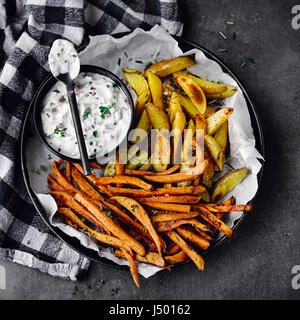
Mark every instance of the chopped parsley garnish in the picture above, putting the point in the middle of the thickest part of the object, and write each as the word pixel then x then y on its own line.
pixel 74 55
pixel 62 98
pixel 104 111
pixel 95 133
pixel 56 91
pixel 116 85
pixel 133 207
pixel 223 50
pixel 243 64
pixel 41 168
pixel 126 54
pixel 230 22
pixel 223 35
pixel 119 61
pixel 100 283
pixel 90 82
pixel 108 214
pixel 108 86
pixel 86 113
pixel 58 54
pixel 47 114
pixel 91 143
pixel 62 49
pixel 75 290
pixel 114 291
pixel 60 131
pixel 139 61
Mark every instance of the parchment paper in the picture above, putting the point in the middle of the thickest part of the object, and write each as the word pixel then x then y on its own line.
pixel 135 51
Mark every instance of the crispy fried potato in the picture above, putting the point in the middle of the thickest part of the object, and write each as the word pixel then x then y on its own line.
pixel 173 199
pixel 174 216
pixel 137 161
pixel 150 257
pixel 165 67
pixel 162 152
pixel 139 212
pixel 166 206
pixel 174 106
pixel 209 87
pixel 132 266
pixel 193 237
pixel 133 181
pixel 163 226
pixel 156 89
pixel 60 178
pixel 186 153
pixel 198 260
pixel 176 258
pixel 157 117
pixel 215 150
pixel 68 170
pixel 195 93
pixel 215 121
pixel 114 228
pixel 178 126
pixel 221 135
pixel 53 185
pixel 214 221
pixel 228 182
pixel 209 171
pixel 142 129
pixel 136 80
pixel 141 100
pixel 231 90
pixel 155 192
pixel 110 168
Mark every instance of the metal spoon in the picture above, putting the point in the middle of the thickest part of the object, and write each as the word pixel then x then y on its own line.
pixel 66 71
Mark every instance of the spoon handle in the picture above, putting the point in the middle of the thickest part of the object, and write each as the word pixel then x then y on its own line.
pixel 78 131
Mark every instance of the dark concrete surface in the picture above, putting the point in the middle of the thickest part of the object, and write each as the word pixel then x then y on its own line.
pixel 257 262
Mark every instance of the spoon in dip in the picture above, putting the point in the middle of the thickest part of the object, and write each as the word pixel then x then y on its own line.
pixel 65 66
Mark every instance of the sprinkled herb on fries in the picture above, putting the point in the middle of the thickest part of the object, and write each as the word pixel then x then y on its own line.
pixel 159 212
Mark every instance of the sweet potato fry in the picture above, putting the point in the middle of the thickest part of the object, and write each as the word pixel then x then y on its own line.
pixel 140 213
pixel 229 208
pixel 169 171
pixel 164 226
pixel 193 237
pixel 60 178
pixel 172 248
pixel 132 266
pixel 154 192
pixel 173 199
pixel 53 185
pixel 119 169
pixel 95 165
pixel 109 223
pixel 133 181
pixel 84 185
pixel 198 260
pixel 101 237
pixel 150 257
pixel 167 206
pixel 174 216
pixel 139 172
pixel 176 258
pixel 68 171
pixel 214 221
pixel 93 178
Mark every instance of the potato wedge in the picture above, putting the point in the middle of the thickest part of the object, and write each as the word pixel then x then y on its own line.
pixel 174 106
pixel 215 121
pixel 157 117
pixel 231 90
pixel 189 132
pixel 221 135
pixel 195 93
pixel 137 161
pixel 136 80
pixel 162 152
pixel 209 171
pixel 110 168
pixel 228 182
pixel 141 100
pixel 178 126
pixel 198 260
pixel 156 89
pixel 165 67
pixel 215 150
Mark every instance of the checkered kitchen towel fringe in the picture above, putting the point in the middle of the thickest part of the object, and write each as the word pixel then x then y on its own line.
pixel 27 29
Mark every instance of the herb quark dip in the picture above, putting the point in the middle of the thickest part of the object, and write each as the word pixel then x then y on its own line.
pixel 104 110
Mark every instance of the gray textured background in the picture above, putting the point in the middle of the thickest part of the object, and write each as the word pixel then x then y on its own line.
pixel 257 262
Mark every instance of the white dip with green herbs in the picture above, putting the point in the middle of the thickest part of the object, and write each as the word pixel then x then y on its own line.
pixel 104 110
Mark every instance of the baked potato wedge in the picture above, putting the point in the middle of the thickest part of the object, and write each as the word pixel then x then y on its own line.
pixel 156 89
pixel 228 182
pixel 142 129
pixel 141 100
pixel 157 117
pixel 178 126
pixel 174 106
pixel 136 80
pixel 215 121
pixel 231 90
pixel 194 92
pixel 215 150
pixel 221 135
pixel 166 67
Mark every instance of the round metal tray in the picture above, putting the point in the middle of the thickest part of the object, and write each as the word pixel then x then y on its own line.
pixel 73 242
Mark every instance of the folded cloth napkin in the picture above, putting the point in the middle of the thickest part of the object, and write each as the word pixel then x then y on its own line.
pixel 27 30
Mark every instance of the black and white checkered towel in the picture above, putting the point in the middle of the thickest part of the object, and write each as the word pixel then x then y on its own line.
pixel 27 30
